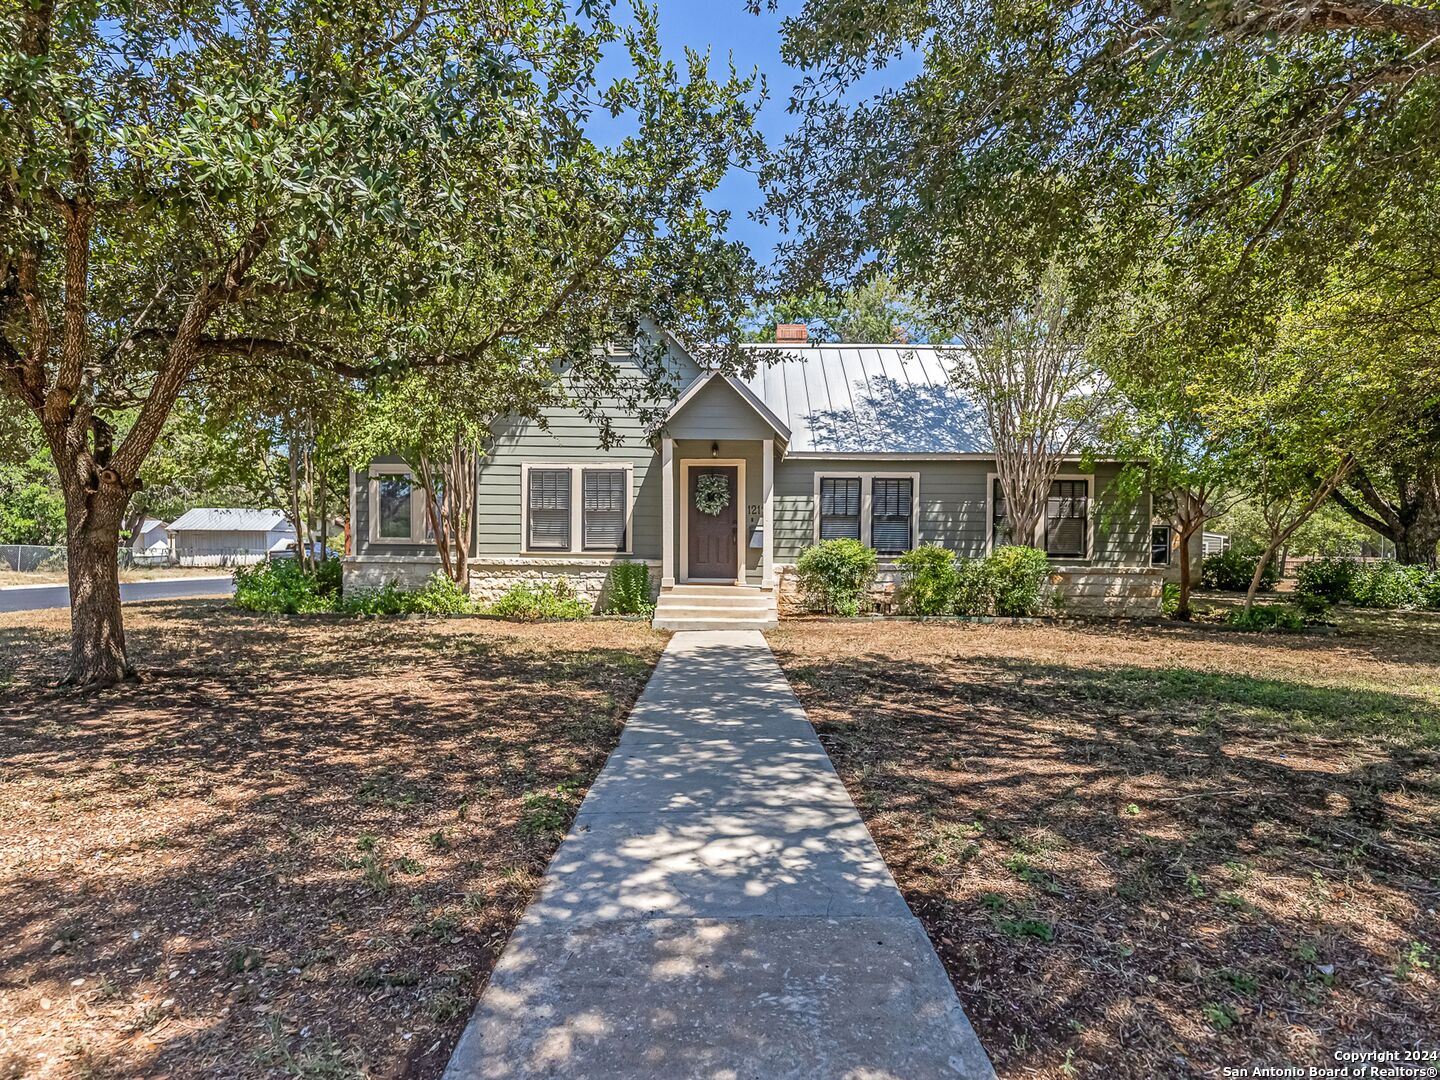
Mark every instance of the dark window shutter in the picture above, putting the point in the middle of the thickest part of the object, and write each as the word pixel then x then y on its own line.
pixel 603 492
pixel 890 516
pixel 549 510
pixel 839 508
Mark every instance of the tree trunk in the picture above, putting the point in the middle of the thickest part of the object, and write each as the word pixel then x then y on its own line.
pixel 1265 557
pixel 1182 610
pixel 97 636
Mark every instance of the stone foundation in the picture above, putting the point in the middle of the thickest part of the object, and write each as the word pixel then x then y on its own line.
pixel 491 578
pixel 1115 592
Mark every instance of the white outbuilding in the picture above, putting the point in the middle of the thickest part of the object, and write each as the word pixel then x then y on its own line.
pixel 209 536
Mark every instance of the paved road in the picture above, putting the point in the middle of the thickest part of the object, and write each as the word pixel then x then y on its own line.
pixel 718 909
pixel 31 597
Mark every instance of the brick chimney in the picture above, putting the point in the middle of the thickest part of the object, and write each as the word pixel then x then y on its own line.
pixel 791 333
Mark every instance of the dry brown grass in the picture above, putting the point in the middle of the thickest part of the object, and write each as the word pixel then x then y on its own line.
pixel 296 847
pixel 127 573
pixel 1153 852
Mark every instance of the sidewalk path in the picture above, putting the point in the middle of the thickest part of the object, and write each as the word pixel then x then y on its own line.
pixel 718 909
pixel 34 597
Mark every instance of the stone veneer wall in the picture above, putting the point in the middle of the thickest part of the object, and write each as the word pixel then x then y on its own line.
pixel 1117 592
pixel 490 578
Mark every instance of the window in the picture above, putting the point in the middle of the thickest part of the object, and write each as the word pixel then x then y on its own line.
pixel 1067 513
pixel 999 520
pixel 1066 524
pixel 575 508
pixel 394 505
pixel 549 510
pixel 603 523
pixel 1160 545
pixel 839 508
pixel 890 516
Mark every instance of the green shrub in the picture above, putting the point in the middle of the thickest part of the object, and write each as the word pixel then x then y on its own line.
pixel 283 587
pixel 1322 583
pixel 438 596
pixel 1169 598
pixel 836 576
pixel 973 595
pixel 931 581
pixel 1016 575
pixel 1388 585
pixel 1266 617
pixel 627 589
pixel 544 600
pixel 1430 592
pixel 1231 571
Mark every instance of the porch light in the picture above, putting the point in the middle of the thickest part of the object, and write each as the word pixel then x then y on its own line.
pixel 714 449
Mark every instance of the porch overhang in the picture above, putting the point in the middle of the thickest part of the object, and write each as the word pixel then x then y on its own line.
pixel 764 412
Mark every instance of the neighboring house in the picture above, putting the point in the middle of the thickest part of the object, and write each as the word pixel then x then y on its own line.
pixel 229 537
pixel 150 544
pixel 1214 544
pixel 865 441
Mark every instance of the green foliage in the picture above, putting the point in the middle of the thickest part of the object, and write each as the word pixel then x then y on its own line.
pixel 931 581
pixel 1322 583
pixel 627 589
pixel 544 600
pixel 973 589
pixel 283 587
pixel 1389 585
pixel 1232 570
pixel 438 596
pixel 1266 617
pixel 836 576
pixel 1169 599
pixel 1016 575
pixel 874 311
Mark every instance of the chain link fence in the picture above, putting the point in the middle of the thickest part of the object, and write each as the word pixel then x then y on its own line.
pixel 31 557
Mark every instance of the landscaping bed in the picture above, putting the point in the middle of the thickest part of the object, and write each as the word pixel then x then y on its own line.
pixel 1151 851
pixel 294 847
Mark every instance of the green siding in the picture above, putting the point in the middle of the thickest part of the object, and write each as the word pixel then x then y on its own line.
pixel 719 412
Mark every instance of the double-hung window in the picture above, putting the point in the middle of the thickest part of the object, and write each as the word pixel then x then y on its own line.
pixel 605 500
pixel 548 510
pixel 1067 518
pixel 1160 545
pixel 890 515
pixel 576 508
pixel 1065 530
pixel 877 510
pixel 839 508
pixel 396 506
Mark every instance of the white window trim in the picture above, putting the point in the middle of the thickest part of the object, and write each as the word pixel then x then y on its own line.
pixel 867 521
pixel 1038 540
pixel 577 469
pixel 417 506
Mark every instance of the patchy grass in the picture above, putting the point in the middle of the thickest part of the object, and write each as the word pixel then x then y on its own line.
pixel 296 847
pixel 1153 851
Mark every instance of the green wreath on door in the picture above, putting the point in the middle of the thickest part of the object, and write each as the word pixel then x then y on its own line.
pixel 712 494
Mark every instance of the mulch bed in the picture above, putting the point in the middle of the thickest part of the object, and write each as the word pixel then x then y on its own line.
pixel 293 848
pixel 1153 851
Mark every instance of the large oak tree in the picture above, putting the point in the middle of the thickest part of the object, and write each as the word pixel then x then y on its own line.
pixel 194 191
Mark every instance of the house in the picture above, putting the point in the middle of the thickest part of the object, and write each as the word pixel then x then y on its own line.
pixel 229 537
pixel 822 441
pixel 150 546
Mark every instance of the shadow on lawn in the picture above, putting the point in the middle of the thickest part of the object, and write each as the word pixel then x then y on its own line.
pixel 1151 871
pixel 296 845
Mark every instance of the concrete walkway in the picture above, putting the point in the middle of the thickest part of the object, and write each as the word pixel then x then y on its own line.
pixel 719 909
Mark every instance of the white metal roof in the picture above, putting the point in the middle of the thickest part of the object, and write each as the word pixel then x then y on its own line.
pixel 208 519
pixel 867 399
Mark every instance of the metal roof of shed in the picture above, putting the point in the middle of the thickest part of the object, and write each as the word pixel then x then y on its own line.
pixel 225 519
pixel 868 399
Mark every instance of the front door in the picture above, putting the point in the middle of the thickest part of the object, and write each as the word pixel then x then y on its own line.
pixel 713 539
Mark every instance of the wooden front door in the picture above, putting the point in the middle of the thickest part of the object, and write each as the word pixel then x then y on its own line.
pixel 713 537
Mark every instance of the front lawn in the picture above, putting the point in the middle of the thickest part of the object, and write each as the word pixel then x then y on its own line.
pixel 296 847
pixel 1153 851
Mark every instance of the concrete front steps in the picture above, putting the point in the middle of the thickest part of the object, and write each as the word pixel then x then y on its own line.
pixel 715 607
